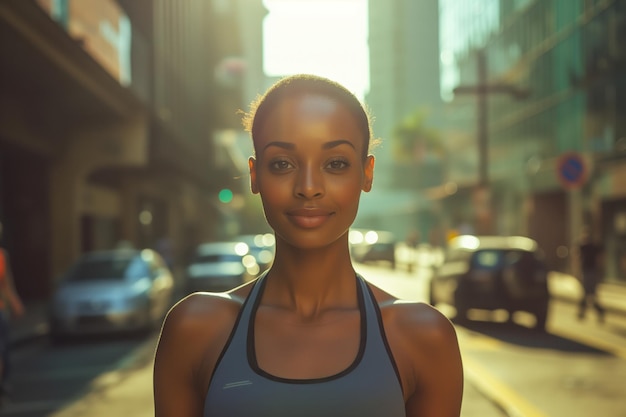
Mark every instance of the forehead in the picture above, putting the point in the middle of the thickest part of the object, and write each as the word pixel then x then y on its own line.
pixel 309 115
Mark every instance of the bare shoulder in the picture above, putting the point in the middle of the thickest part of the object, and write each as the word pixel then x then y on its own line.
pixel 425 348
pixel 190 314
pixel 194 332
pixel 421 323
pixel 203 315
pixel 416 320
pixel 197 328
pixel 420 336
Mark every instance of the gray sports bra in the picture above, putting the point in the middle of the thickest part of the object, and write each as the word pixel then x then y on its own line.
pixel 370 387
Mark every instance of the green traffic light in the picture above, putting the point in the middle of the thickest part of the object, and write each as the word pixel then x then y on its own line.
pixel 225 195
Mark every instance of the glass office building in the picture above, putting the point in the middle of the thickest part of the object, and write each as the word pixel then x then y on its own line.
pixel 554 84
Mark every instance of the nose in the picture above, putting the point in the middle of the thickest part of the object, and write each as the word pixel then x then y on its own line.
pixel 310 183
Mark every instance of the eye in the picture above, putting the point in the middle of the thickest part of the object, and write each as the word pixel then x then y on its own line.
pixel 280 165
pixel 337 164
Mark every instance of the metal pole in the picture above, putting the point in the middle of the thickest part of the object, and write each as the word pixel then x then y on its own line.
pixel 482 116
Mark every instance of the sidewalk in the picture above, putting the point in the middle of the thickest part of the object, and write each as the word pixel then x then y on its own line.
pixel 566 287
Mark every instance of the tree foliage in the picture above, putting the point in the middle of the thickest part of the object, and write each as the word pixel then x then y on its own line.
pixel 413 140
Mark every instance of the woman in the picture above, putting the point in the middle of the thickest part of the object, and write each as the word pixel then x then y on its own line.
pixel 309 337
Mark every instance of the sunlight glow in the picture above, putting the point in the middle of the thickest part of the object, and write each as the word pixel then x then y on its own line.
pixel 323 37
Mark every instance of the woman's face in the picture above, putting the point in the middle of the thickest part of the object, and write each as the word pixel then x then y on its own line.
pixel 309 170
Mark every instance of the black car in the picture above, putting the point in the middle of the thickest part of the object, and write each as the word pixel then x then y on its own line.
pixel 492 273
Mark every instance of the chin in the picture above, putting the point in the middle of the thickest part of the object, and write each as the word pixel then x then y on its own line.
pixel 313 239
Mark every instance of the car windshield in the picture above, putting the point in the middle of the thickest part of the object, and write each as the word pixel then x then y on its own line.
pixel 487 259
pixel 113 268
pixel 494 258
pixel 218 257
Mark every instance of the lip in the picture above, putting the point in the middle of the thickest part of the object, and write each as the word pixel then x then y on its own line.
pixel 309 218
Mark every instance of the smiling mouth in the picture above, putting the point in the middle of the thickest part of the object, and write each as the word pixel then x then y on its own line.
pixel 309 218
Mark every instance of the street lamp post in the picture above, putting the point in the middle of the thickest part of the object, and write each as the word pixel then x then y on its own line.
pixel 481 90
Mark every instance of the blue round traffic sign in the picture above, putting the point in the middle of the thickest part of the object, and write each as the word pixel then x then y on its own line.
pixel 572 170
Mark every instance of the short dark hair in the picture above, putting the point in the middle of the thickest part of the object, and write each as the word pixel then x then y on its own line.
pixel 299 84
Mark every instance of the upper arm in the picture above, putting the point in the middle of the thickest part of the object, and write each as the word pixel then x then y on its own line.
pixel 175 391
pixel 438 369
pixel 188 347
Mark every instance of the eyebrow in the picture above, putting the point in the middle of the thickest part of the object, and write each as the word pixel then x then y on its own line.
pixel 284 145
pixel 335 143
pixel 327 145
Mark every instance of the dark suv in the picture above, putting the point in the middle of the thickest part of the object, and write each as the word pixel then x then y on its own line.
pixel 492 273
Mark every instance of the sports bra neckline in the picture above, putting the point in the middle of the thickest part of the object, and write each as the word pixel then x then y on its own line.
pixel 257 292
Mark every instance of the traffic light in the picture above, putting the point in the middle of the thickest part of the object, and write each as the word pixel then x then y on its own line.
pixel 225 196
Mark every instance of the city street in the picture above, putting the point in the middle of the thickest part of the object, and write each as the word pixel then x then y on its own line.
pixel 97 376
pixel 576 369
pixel 472 149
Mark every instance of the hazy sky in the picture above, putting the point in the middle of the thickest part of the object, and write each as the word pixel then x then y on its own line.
pixel 324 37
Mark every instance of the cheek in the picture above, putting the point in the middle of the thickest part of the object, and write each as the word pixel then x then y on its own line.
pixel 345 190
pixel 274 202
pixel 273 195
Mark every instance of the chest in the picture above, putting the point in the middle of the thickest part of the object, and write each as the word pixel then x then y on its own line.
pixel 276 368
pixel 292 349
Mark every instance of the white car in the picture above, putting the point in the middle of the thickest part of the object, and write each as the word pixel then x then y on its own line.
pixel 220 266
pixel 115 290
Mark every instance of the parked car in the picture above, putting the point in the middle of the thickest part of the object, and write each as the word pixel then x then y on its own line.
pixel 261 246
pixel 115 290
pixel 373 246
pixel 492 273
pixel 220 266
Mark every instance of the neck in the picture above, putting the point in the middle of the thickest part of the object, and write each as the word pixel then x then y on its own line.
pixel 311 282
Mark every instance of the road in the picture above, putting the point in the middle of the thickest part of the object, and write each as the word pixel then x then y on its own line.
pixel 79 377
pixel 575 369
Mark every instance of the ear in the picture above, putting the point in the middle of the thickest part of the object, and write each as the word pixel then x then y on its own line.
pixel 252 167
pixel 368 173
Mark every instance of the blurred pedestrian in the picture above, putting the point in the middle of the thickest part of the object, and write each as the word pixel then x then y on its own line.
pixel 310 336
pixel 590 257
pixel 11 306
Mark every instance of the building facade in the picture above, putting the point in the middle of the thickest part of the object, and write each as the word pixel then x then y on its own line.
pixel 404 78
pixel 554 156
pixel 107 117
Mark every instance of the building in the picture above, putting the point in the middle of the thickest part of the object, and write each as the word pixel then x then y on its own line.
pixel 108 111
pixel 554 159
pixel 404 78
